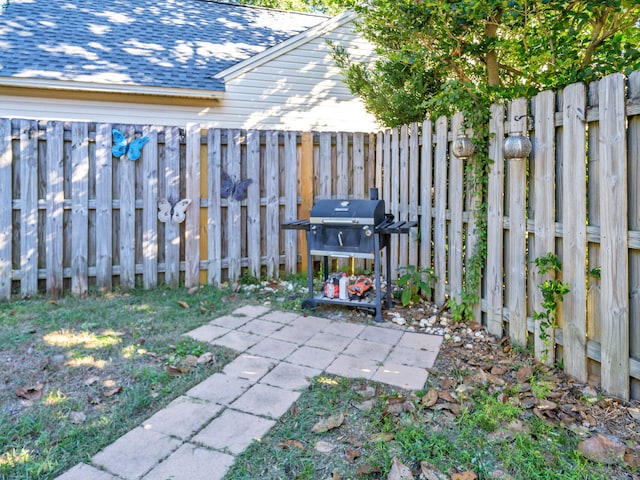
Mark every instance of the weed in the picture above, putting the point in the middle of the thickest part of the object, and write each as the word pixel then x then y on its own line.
pixel 415 283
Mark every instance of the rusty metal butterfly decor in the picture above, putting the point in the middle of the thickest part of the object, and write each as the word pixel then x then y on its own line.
pixel 121 147
pixel 229 188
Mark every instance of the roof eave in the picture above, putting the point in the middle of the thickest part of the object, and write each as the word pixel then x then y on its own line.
pixel 286 46
pixel 104 88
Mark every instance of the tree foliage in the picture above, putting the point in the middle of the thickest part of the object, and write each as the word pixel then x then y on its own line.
pixel 310 6
pixel 437 55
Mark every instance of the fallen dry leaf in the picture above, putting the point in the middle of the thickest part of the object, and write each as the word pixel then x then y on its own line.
pixel 382 437
pixel 602 449
pixel 30 393
pixel 431 398
pixel 367 469
pixel 77 417
pixel 324 447
pixel 524 374
pixel 464 476
pixel 328 424
pixel 351 454
pixel 205 358
pixel 291 443
pixel 399 471
pixel 91 380
pixel 183 304
pixel 112 391
pixel 429 472
pixel 173 371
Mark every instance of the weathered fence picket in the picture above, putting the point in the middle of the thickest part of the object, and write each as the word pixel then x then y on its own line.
pixel 574 239
pixel 614 246
pixel 172 195
pixel 6 214
pixel 494 274
pixel 55 211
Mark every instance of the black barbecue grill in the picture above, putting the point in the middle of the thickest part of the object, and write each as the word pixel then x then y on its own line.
pixel 350 229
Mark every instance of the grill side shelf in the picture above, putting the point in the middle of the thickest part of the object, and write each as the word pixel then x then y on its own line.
pixel 296 225
pixel 396 227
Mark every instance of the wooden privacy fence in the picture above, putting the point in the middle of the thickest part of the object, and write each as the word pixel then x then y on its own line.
pixel 77 216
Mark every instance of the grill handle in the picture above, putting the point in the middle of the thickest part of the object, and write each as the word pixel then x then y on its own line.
pixel 341 221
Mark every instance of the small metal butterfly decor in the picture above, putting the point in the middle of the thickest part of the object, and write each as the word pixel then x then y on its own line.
pixel 175 212
pixel 230 188
pixel 121 147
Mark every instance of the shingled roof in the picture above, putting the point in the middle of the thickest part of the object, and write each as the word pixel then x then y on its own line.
pixel 172 44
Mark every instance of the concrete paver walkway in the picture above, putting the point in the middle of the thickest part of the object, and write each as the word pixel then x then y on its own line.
pixel 198 435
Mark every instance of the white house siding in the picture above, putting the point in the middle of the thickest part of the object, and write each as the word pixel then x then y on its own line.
pixel 300 89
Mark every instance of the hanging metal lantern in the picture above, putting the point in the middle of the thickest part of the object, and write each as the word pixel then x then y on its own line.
pixel 516 146
pixel 463 147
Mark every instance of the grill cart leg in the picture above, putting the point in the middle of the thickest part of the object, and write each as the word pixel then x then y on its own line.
pixel 310 301
pixel 388 293
pixel 376 263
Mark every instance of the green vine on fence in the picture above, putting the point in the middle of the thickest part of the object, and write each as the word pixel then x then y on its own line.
pixel 553 291
pixel 474 105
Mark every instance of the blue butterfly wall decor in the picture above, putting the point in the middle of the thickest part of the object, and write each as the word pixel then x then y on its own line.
pixel 121 147
pixel 232 189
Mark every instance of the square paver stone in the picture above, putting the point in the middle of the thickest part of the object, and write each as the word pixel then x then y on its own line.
pixel 352 367
pixel 83 471
pixel 251 367
pixel 192 463
pixel 182 417
pixel 260 327
pixel 220 388
pixel 368 350
pixel 231 321
pixel 344 329
pixel 135 453
pixel 280 317
pixel 420 341
pixel 290 333
pixel 312 323
pixel 291 377
pixel 380 335
pixel 272 348
pixel 312 357
pixel 238 341
pixel 402 376
pixel 329 341
pixel 206 333
pixel 412 357
pixel 266 400
pixel 251 310
pixel 233 431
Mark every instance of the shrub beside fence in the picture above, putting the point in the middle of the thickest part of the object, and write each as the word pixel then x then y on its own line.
pixel 79 216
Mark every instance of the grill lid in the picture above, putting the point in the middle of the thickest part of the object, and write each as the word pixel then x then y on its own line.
pixel 355 212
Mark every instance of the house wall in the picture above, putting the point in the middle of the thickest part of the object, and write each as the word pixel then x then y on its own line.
pixel 299 89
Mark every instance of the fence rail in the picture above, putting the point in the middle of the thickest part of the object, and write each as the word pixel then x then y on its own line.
pixel 78 217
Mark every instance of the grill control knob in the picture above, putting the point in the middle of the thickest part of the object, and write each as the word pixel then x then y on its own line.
pixel 367 231
pixel 313 229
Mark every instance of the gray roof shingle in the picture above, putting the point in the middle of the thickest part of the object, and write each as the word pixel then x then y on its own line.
pixel 151 43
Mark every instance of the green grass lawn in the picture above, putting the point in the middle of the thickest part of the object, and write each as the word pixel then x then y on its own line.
pixel 92 369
